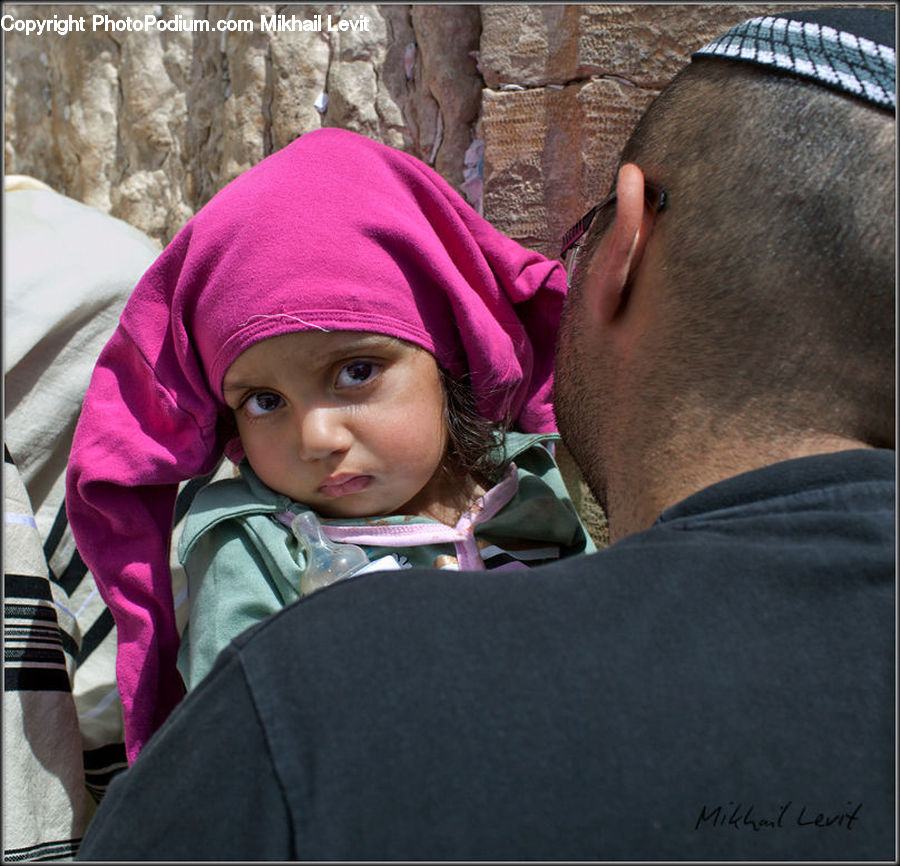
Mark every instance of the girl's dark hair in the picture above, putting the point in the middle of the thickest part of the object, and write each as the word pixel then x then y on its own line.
pixel 473 439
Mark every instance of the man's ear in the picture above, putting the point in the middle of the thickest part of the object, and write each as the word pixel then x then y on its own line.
pixel 620 251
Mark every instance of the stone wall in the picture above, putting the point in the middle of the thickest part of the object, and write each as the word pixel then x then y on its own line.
pixel 522 107
pixel 149 125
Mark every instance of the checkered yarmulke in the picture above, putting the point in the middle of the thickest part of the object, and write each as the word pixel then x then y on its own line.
pixel 834 57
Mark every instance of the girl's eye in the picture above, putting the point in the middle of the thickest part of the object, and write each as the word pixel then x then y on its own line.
pixel 356 373
pixel 262 403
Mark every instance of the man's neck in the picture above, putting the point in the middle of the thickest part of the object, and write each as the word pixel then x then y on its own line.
pixel 645 488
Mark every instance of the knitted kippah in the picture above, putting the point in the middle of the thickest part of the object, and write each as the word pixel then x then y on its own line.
pixel 848 49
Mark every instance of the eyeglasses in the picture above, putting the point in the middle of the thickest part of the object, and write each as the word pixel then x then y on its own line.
pixel 573 240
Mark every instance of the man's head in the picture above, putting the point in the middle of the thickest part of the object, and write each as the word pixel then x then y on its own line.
pixel 758 305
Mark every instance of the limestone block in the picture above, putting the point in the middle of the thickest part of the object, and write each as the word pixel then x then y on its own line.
pixel 648 44
pixel 29 143
pixel 352 92
pixel 532 44
pixel 397 96
pixel 299 71
pixel 151 131
pixel 245 69
pixel 205 94
pixel 150 198
pixel 84 112
pixel 549 154
pixel 420 108
pixel 447 36
pixel 357 99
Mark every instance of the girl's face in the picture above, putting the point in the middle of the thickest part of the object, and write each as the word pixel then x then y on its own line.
pixel 349 423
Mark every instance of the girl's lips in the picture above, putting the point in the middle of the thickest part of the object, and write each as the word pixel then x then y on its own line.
pixel 344 485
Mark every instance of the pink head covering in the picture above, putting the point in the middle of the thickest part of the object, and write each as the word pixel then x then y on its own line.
pixel 336 232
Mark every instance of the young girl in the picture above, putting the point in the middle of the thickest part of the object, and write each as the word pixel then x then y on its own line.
pixel 342 325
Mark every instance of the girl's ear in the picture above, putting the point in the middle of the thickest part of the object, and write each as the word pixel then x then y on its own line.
pixel 612 267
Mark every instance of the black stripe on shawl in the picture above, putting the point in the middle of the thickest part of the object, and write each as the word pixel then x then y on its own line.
pixel 34 655
pixel 60 522
pixel 26 586
pixel 60 849
pixel 104 757
pixel 35 680
pixel 95 635
pixel 73 575
pixel 35 612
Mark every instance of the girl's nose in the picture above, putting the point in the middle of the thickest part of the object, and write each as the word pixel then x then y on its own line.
pixel 321 433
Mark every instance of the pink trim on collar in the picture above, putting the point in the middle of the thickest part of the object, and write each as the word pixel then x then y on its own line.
pixel 462 536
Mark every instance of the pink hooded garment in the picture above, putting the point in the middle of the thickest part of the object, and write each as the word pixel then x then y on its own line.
pixel 334 231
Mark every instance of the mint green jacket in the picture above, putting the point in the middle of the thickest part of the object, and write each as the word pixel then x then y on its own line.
pixel 244 562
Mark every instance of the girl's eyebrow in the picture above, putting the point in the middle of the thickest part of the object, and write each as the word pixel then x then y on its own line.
pixel 365 342
pixel 361 344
